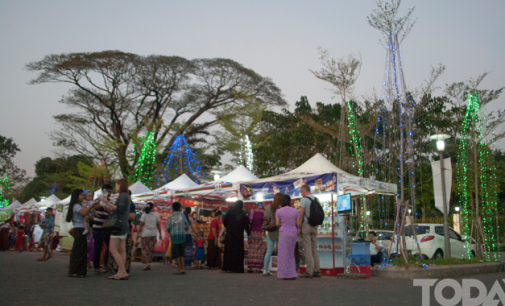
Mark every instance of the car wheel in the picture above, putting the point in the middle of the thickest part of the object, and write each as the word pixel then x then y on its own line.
pixel 438 254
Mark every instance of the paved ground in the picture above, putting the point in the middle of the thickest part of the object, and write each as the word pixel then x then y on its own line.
pixel 24 281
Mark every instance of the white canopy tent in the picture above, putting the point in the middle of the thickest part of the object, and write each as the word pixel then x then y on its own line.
pixel 139 188
pixel 226 186
pixel 347 183
pixel 65 201
pixel 13 205
pixel 30 206
pixel 182 182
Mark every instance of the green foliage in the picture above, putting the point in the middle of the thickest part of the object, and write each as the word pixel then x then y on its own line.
pixel 16 176
pixel 64 171
pixel 239 121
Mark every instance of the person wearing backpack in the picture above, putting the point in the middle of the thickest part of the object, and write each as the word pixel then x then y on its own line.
pixel 311 215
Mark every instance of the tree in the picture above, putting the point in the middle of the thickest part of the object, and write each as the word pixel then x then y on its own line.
pixel 61 172
pixel 16 176
pixel 342 74
pixel 121 96
pixel 238 122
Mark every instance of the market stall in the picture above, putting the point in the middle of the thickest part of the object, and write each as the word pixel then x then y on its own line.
pixel 328 183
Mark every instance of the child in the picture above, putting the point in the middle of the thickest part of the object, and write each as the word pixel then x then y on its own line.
pixel 88 201
pixel 19 238
pixel 200 250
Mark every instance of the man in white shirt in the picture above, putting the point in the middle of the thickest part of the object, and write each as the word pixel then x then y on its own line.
pixel 375 249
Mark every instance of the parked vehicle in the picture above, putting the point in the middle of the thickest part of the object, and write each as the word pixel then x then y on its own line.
pixel 431 241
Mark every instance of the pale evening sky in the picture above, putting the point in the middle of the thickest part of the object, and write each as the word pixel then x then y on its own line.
pixel 277 39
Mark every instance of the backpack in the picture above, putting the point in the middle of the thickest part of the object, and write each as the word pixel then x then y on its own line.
pixel 316 217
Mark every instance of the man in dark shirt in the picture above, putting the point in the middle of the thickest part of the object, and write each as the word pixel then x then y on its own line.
pixel 101 236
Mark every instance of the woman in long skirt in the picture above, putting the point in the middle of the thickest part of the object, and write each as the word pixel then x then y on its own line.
pixel 236 222
pixel 256 245
pixel 285 218
pixel 149 229
pixel 78 258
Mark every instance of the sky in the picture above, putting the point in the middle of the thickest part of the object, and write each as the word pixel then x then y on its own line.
pixel 277 39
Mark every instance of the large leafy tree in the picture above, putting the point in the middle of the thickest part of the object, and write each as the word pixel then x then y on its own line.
pixel 58 175
pixel 120 96
pixel 16 176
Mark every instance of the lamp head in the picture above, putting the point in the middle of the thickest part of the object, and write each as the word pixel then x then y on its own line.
pixel 440 140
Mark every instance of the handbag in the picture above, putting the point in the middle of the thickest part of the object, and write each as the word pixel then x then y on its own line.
pixel 269 224
pixel 114 222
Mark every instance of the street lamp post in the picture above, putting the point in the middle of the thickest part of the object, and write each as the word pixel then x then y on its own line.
pixel 441 147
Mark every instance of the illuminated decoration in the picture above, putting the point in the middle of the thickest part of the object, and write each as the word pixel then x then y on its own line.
pixel 356 153
pixel 181 159
pixel 248 154
pixel 484 171
pixel 393 139
pixel 53 188
pixel 145 162
pixel 4 188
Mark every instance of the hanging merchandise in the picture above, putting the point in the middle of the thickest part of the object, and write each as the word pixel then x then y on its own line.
pixel 180 160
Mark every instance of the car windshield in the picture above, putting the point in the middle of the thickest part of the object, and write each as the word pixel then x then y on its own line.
pixel 420 229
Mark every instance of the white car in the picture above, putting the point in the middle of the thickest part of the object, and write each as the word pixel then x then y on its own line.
pixel 431 241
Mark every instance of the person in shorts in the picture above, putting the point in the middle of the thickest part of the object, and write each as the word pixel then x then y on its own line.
pixel 177 225
pixel 45 241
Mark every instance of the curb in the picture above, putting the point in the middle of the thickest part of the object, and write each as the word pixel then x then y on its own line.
pixel 448 271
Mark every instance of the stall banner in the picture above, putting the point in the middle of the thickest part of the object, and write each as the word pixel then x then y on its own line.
pixel 5 214
pixel 265 191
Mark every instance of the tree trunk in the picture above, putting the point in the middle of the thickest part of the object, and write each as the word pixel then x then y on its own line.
pixel 424 212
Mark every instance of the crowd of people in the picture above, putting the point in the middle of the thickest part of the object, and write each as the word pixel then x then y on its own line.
pixel 102 223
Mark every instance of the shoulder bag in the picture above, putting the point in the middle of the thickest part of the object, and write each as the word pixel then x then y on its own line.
pixel 114 222
pixel 269 223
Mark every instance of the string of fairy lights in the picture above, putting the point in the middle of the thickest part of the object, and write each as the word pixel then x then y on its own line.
pixel 177 151
pixel 246 148
pixel 356 152
pixel 147 155
pixel 471 128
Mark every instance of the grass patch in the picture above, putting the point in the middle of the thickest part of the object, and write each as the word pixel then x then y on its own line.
pixel 412 261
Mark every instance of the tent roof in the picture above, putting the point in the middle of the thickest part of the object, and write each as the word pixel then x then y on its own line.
pixel 138 187
pixel 65 200
pixel 51 200
pixel 30 202
pixel 240 174
pixel 317 164
pixel 182 182
pixel 13 205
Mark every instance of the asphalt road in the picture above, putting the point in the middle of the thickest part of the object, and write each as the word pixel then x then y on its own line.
pixel 24 281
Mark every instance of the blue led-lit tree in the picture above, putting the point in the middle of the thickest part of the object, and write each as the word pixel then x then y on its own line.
pixel 179 160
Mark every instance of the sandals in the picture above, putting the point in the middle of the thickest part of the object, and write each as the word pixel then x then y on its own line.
pixel 147 268
pixel 113 277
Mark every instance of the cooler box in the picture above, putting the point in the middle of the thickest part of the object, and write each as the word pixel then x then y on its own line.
pixel 361 253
